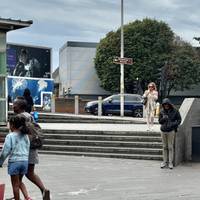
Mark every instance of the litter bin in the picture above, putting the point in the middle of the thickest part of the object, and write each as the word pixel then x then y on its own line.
pixel 2 189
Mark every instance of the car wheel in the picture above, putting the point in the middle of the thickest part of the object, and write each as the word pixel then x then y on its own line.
pixel 95 112
pixel 138 112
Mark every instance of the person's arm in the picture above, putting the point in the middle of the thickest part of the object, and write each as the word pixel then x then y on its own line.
pixel 145 94
pixel 178 119
pixel 162 118
pixel 155 95
pixel 7 147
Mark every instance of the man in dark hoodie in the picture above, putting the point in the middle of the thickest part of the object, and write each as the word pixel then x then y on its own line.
pixel 169 119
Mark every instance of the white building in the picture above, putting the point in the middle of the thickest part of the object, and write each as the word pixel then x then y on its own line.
pixel 77 74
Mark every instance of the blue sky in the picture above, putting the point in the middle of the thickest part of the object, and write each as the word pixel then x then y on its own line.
pixel 57 21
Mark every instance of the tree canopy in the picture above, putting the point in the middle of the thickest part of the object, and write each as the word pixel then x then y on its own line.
pixel 151 44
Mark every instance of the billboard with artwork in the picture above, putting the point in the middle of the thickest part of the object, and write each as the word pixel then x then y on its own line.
pixel 28 61
pixel 38 87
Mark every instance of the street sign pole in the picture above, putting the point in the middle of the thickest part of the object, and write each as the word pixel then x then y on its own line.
pixel 122 64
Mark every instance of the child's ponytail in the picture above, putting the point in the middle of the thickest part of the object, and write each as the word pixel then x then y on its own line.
pixel 23 129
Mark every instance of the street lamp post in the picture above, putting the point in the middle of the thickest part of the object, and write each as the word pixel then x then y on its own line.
pixel 122 64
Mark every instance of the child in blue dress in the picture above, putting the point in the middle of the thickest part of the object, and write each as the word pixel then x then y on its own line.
pixel 16 148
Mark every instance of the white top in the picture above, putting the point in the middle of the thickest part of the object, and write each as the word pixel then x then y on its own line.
pixel 152 97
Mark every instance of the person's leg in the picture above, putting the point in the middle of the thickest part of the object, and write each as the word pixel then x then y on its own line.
pixel 148 120
pixel 171 137
pixel 15 186
pixel 165 149
pixel 152 119
pixel 34 178
pixel 23 188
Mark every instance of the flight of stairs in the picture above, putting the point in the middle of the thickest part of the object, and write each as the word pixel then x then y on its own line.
pixel 126 144
pixel 116 144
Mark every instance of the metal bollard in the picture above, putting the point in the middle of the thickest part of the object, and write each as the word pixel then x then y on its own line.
pixel 76 105
pixel 99 106
pixel 53 104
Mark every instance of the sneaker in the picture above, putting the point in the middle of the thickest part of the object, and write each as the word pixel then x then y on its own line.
pixel 46 195
pixel 171 166
pixel 163 164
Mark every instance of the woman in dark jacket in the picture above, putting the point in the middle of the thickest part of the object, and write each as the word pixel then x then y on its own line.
pixel 169 119
pixel 29 100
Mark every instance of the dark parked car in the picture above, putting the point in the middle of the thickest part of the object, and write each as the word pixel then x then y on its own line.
pixel 111 105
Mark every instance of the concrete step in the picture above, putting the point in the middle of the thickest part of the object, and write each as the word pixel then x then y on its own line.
pixel 108 155
pixel 71 118
pixel 98 132
pixel 4 129
pixel 127 150
pixel 102 137
pixel 50 120
pixel 103 143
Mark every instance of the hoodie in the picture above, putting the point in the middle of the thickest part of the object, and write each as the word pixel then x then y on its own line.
pixel 170 118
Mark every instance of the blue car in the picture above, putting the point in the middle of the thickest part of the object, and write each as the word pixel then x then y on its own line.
pixel 133 105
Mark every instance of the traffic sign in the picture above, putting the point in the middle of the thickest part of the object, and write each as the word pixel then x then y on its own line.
pixel 126 61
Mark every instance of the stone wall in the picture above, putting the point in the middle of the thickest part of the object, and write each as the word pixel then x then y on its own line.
pixel 189 111
pixel 67 105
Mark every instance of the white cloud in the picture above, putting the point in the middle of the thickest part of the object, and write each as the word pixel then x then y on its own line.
pixel 58 21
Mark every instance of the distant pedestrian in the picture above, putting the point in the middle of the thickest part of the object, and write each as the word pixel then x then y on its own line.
pixel 16 146
pixel 29 100
pixel 150 97
pixel 169 119
pixel 19 106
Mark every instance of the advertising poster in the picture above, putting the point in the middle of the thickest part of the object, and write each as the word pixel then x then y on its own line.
pixel 46 98
pixel 28 61
pixel 17 85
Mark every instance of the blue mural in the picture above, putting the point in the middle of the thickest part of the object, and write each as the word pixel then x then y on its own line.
pixel 17 85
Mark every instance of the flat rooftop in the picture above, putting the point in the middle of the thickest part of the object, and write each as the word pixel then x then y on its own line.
pixel 8 24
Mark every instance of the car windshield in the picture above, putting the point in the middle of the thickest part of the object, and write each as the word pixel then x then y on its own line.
pixel 127 98
pixel 132 98
pixel 113 97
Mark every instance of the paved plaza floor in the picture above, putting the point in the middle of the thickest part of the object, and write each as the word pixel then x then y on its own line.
pixel 89 178
pixel 99 127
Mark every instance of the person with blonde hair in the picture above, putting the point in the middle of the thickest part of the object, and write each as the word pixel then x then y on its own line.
pixel 150 97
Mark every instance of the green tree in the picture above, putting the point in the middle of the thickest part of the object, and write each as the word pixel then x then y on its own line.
pixel 151 44
pixel 182 70
pixel 147 42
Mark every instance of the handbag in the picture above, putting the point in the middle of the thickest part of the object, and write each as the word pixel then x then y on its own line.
pixel 35 135
pixel 144 101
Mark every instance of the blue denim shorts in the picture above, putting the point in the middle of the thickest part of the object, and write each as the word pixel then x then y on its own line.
pixel 18 168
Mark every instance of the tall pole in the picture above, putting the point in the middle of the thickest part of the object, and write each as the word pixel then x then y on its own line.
pixel 122 65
